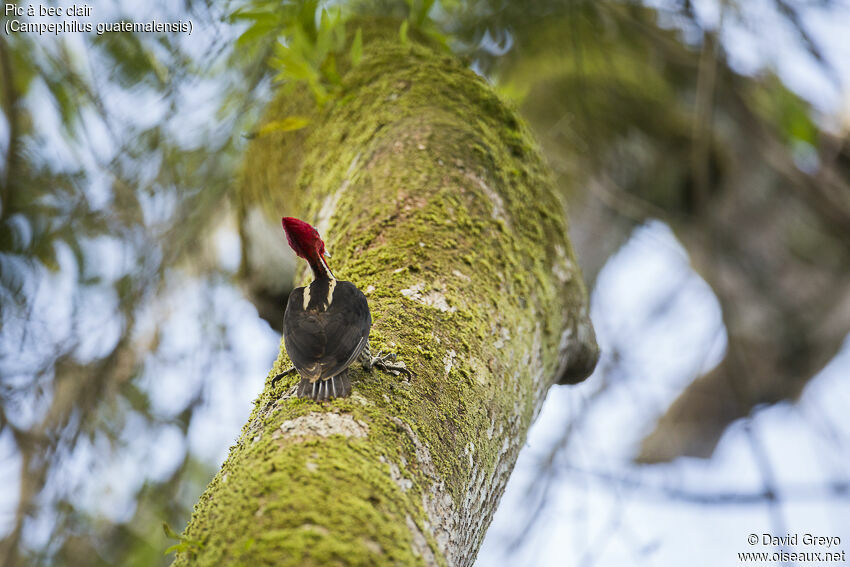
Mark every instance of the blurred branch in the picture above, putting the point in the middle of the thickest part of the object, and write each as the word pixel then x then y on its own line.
pixel 799 492
pixel 540 489
pixel 795 19
pixel 10 100
pixel 771 486
pixel 702 122
pixel 626 204
pixel 827 192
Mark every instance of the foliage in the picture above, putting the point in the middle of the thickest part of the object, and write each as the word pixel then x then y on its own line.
pixel 315 43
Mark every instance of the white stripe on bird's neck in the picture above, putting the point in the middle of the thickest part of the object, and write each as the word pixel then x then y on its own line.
pixel 331 287
pixel 306 297
pixel 327 269
pixel 321 271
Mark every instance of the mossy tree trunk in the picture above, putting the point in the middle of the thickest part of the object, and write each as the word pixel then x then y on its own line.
pixel 434 201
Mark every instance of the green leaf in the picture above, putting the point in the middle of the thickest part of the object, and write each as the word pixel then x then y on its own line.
pixel 320 93
pixel 292 65
pixel 24 71
pixel 178 548
pixel 307 17
pixel 329 70
pixel 288 124
pixel 419 11
pixel 255 32
pixel 339 32
pixel 323 37
pixel 185 544
pixel 356 52
pixel 426 9
pixel 402 32
pixel 254 15
pixel 169 532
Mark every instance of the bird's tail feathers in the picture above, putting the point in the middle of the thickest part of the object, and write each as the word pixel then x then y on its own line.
pixel 338 386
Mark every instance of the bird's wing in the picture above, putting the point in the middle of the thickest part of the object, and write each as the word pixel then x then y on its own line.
pixel 323 344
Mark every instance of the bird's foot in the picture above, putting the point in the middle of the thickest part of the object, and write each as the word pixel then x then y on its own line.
pixel 387 363
pixel 286 372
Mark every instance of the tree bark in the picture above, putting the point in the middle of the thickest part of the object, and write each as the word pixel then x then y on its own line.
pixel 434 201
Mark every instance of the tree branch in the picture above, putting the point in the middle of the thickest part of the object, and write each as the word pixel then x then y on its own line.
pixel 436 204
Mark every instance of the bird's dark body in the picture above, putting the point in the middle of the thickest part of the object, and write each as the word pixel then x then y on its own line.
pixel 326 335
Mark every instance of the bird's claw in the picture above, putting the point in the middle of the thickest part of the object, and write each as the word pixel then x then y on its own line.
pixel 381 357
pixel 386 363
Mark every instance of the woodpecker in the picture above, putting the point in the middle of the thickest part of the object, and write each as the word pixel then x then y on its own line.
pixel 326 324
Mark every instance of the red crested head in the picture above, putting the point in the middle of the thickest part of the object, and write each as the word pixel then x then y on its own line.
pixel 304 239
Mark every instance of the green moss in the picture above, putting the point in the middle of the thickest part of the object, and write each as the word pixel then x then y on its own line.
pixel 445 197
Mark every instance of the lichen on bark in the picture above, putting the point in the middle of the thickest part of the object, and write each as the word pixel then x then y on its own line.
pixel 435 202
